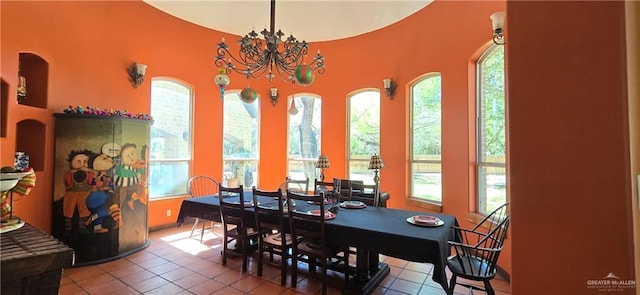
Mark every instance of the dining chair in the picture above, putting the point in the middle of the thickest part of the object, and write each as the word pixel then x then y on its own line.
pixel 476 251
pixel 200 186
pixel 321 186
pixel 234 225
pixel 273 238
pixel 297 185
pixel 310 241
pixel 363 192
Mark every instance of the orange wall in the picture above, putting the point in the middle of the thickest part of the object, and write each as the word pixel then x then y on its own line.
pixel 89 45
pixel 569 146
pixel 88 62
pixel 633 57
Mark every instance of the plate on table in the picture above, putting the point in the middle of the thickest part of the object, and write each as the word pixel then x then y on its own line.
pixel 326 202
pixel 246 203
pixel 425 220
pixel 353 204
pixel 327 214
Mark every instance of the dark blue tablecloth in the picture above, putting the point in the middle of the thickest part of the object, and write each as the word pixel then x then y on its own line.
pixel 382 230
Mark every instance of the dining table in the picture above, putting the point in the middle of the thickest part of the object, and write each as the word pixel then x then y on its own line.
pixel 370 230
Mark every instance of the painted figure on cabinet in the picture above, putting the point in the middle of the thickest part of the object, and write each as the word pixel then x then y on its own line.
pixel 77 182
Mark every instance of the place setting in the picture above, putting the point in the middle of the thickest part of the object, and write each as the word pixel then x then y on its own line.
pixel 353 205
pixel 425 220
pixel 327 214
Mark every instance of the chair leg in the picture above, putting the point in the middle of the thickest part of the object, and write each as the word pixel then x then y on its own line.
pixel 488 288
pixel 283 267
pixel 294 269
pixel 204 222
pixel 324 276
pixel 225 241
pixel 452 284
pixel 195 223
pixel 260 259
pixel 245 254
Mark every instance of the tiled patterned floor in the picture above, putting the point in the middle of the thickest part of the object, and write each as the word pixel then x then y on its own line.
pixel 176 264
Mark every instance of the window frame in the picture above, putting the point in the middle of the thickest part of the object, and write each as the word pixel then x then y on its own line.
pixel 480 202
pixel 411 198
pixel 301 159
pixel 349 159
pixel 189 159
pixel 255 159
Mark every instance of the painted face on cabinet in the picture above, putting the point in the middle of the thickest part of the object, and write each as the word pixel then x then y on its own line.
pixel 79 159
pixel 128 154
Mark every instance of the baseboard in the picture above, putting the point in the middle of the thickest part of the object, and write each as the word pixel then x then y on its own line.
pixel 503 274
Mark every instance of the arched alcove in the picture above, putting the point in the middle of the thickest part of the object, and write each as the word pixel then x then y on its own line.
pixel 30 139
pixel 33 73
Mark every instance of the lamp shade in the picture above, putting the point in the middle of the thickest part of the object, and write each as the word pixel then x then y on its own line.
pixel 141 69
pixel 375 162
pixel 497 20
pixel 323 162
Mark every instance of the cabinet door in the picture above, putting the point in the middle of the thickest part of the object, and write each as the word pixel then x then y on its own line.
pixel 132 189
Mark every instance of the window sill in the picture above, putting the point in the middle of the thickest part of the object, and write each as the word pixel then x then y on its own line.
pixel 170 198
pixel 424 204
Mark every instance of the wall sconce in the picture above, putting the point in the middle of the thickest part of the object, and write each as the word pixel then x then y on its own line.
pixel 136 73
pixel 497 21
pixel 273 94
pixel 389 87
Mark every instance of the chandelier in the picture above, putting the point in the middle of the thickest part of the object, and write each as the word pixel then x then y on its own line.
pixel 270 55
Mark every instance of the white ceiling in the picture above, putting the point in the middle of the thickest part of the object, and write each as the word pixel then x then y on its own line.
pixel 309 20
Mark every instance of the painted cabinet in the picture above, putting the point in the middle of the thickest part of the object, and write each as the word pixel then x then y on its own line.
pixel 100 185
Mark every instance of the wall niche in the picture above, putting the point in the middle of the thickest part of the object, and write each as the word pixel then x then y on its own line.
pixel 33 80
pixel 4 104
pixel 31 139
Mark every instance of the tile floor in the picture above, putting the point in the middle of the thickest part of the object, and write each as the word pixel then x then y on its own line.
pixel 176 264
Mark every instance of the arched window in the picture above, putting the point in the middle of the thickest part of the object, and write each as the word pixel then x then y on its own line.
pixel 305 113
pixel 170 146
pixel 426 139
pixel 241 137
pixel 364 133
pixel 490 138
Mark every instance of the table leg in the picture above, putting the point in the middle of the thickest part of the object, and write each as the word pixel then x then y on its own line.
pixel 369 273
pixel 362 265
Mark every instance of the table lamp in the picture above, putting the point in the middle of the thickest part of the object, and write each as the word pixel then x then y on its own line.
pixel 322 163
pixel 375 164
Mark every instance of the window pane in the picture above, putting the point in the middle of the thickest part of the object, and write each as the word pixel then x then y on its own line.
pixel 240 150
pixel 427 119
pixel 171 111
pixel 240 172
pixel 364 133
pixel 492 188
pixel 170 143
pixel 491 131
pixel 304 137
pixel 359 170
pixel 168 178
pixel 427 181
pixel 426 139
pixel 492 125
